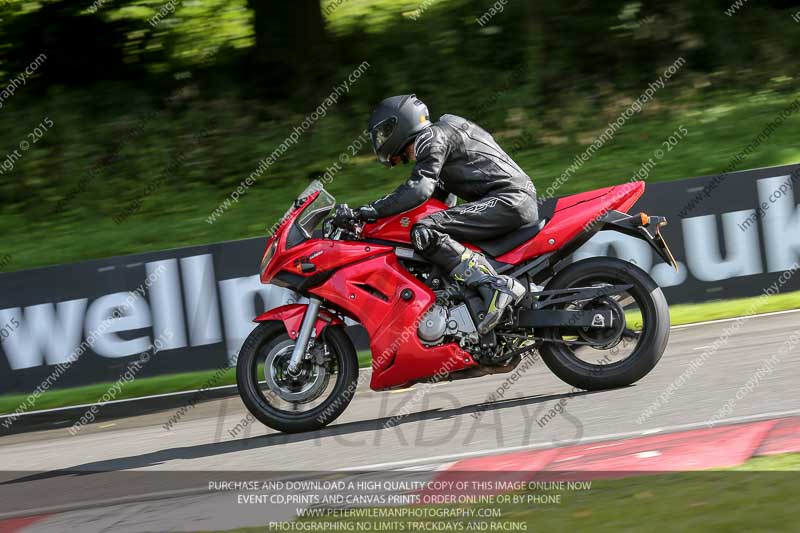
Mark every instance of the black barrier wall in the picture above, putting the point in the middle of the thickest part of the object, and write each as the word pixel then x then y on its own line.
pixel 732 234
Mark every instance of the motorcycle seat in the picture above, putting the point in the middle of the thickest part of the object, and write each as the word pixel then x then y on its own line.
pixel 505 243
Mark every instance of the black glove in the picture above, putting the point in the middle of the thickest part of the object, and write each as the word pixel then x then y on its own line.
pixel 344 217
pixel 367 213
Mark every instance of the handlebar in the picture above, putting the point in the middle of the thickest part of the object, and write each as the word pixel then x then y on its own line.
pixel 344 224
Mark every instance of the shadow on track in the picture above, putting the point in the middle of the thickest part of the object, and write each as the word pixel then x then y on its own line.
pixel 149 460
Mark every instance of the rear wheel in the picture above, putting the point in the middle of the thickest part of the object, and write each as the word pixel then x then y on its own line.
pixel 309 400
pixel 595 359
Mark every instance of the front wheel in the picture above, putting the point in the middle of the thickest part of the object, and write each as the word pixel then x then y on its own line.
pixel 615 357
pixel 309 400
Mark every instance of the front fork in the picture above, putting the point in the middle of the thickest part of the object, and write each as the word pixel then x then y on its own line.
pixel 306 328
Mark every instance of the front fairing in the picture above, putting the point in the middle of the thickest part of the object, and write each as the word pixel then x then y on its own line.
pixel 296 257
pixel 315 259
pixel 294 228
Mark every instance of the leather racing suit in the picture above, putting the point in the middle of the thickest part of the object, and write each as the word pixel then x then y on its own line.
pixel 456 157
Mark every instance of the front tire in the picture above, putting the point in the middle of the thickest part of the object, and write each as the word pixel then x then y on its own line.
pixel 294 406
pixel 651 339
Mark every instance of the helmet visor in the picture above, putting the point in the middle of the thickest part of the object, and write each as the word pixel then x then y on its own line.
pixel 381 133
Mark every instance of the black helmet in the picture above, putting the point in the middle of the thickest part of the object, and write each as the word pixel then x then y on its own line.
pixel 396 122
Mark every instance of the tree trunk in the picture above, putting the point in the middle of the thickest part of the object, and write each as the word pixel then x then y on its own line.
pixel 289 37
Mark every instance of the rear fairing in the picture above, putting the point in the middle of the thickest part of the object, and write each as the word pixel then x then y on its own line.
pixel 573 215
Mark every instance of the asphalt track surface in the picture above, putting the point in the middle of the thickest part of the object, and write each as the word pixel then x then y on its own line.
pixel 451 421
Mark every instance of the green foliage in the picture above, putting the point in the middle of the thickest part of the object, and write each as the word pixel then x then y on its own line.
pixel 189 104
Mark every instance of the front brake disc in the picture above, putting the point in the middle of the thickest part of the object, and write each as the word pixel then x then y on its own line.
pixel 304 388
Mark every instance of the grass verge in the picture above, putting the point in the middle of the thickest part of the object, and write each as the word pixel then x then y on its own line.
pixel 719 309
pixel 756 496
pixel 680 314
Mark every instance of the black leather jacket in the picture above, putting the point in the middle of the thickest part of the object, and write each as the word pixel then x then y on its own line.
pixel 455 156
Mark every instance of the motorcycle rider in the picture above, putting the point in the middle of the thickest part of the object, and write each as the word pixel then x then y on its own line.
pixel 454 157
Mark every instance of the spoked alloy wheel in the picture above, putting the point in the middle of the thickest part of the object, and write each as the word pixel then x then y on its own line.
pixel 310 399
pixel 616 356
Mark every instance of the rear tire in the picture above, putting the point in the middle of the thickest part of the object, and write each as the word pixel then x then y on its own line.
pixel 265 338
pixel 561 359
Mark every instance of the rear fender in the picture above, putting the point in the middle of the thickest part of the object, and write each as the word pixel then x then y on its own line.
pixel 292 317
pixel 643 227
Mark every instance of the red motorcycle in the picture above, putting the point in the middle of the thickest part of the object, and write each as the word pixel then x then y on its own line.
pixel 597 323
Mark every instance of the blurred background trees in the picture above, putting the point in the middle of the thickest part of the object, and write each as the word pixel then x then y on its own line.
pixel 130 83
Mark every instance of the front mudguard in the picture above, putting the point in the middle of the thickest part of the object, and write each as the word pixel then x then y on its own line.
pixel 292 317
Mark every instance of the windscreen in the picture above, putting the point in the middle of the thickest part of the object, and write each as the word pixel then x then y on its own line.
pixel 316 212
pixel 313 187
pixel 312 215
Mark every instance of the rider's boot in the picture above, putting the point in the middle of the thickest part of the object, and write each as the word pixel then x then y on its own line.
pixel 497 291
